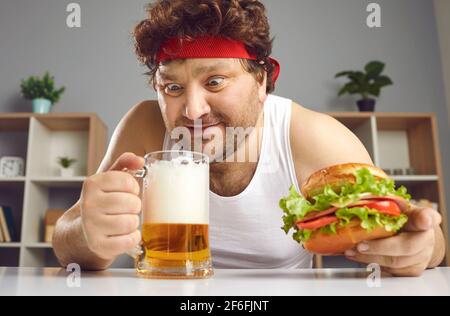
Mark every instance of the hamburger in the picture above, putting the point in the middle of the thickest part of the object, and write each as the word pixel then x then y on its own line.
pixel 342 205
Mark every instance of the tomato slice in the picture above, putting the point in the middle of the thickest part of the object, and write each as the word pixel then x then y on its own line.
pixel 385 207
pixel 318 223
pixel 314 215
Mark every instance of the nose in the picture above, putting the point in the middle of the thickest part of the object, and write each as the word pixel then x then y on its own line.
pixel 196 105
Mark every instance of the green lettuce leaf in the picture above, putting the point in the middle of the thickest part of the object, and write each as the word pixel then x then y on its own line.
pixel 329 229
pixel 302 235
pixel 371 219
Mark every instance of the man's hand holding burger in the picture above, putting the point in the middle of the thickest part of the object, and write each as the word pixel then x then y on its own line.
pixel 410 252
pixel 355 209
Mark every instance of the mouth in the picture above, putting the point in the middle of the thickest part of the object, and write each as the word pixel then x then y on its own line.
pixel 203 127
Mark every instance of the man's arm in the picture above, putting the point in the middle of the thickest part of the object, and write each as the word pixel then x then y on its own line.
pixel 319 141
pixel 70 245
pixel 69 240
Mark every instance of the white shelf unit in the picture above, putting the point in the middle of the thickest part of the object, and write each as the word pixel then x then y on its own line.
pixel 40 140
pixel 400 141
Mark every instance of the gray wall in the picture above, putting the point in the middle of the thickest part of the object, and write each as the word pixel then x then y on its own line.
pixel 442 12
pixel 314 40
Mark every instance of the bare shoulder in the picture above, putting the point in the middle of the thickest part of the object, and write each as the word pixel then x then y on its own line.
pixel 140 131
pixel 318 140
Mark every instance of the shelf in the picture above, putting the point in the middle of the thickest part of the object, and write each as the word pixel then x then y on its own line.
pixel 74 123
pixel 403 122
pixel 45 181
pixel 415 178
pixel 12 179
pixel 40 139
pixel 10 245
pixel 14 123
pixel 51 138
pixel 353 122
pixel 56 182
pixel 39 245
pixel 408 143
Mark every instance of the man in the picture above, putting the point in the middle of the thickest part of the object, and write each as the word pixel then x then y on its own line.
pixel 209 61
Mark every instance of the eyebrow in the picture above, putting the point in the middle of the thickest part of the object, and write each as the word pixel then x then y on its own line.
pixel 167 76
pixel 197 71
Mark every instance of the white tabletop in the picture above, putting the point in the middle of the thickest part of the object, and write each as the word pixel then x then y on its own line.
pixel 50 281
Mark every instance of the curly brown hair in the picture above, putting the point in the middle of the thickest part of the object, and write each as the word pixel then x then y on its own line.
pixel 242 20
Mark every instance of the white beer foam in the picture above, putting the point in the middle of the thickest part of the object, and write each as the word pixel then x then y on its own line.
pixel 177 193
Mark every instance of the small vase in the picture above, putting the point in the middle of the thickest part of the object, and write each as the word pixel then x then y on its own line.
pixel 67 172
pixel 42 106
pixel 366 105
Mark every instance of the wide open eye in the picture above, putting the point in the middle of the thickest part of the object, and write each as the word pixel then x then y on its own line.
pixel 173 89
pixel 215 82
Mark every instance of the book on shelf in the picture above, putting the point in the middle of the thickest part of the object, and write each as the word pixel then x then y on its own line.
pixel 51 217
pixel 2 240
pixel 8 231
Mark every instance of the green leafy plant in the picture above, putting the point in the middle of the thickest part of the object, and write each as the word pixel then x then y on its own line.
pixel 66 162
pixel 37 88
pixel 367 82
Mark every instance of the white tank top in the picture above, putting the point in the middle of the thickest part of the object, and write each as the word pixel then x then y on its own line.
pixel 245 230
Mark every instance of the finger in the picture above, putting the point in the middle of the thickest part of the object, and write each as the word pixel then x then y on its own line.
pixel 118 245
pixel 393 262
pixel 128 160
pixel 412 271
pixel 119 203
pixel 422 219
pixel 113 204
pixel 118 225
pixel 113 181
pixel 404 244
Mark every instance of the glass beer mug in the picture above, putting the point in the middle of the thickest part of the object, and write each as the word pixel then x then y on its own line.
pixel 174 217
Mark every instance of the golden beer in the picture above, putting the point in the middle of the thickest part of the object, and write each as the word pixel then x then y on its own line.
pixel 176 244
pixel 175 251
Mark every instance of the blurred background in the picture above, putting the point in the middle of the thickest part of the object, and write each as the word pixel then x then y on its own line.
pixel 314 40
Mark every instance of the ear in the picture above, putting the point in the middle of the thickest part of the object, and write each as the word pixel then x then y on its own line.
pixel 262 89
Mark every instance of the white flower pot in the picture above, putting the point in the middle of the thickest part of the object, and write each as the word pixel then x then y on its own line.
pixel 67 172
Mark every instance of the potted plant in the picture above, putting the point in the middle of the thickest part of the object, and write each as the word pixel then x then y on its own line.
pixel 42 92
pixel 65 164
pixel 366 83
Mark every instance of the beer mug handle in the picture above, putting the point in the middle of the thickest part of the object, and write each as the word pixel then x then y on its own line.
pixel 137 251
pixel 140 173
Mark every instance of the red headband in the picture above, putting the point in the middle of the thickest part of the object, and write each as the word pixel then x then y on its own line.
pixel 208 47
